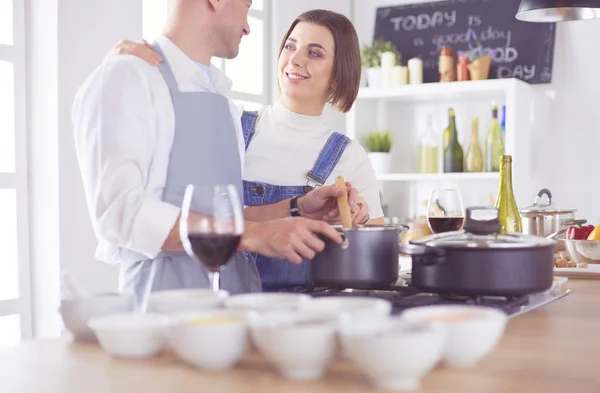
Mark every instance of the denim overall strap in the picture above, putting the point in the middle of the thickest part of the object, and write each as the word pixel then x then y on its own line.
pixel 277 274
pixel 249 125
pixel 328 158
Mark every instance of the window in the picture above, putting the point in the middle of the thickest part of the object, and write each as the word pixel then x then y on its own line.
pixel 15 303
pixel 250 70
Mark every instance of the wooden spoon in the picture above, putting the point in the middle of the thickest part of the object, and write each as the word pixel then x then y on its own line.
pixel 343 205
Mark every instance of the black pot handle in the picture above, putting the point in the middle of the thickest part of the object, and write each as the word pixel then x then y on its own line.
pixel 425 255
pixel 480 226
pixel 543 192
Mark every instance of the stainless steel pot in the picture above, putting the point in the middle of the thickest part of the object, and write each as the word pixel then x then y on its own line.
pixel 543 218
pixel 367 258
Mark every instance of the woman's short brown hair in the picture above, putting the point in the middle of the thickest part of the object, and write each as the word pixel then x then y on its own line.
pixel 347 67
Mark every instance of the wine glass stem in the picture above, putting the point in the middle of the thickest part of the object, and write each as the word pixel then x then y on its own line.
pixel 214 278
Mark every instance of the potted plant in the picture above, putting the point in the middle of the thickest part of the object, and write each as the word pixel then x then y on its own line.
pixel 480 60
pixel 378 144
pixel 371 59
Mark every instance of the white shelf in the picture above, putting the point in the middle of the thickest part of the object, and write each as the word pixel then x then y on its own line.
pixel 439 176
pixel 440 91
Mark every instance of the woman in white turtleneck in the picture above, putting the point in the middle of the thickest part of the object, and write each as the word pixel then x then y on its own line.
pixel 290 148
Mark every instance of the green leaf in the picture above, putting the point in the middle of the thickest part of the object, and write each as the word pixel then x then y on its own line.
pixel 371 54
pixel 379 141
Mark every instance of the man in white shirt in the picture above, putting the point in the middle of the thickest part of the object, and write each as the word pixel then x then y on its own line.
pixel 141 135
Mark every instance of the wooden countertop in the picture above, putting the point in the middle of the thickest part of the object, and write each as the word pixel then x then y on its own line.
pixel 554 349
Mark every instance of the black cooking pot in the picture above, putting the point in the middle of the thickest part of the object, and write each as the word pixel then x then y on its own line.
pixel 368 258
pixel 480 261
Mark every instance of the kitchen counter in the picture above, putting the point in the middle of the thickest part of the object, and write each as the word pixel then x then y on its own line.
pixel 553 349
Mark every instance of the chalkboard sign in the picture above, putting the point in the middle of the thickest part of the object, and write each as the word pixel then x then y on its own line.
pixel 519 49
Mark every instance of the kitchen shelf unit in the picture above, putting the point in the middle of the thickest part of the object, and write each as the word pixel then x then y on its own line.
pixel 403 110
pixel 415 177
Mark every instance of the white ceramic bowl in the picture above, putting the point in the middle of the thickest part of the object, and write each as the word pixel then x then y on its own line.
pixel 212 340
pixel 262 302
pixel 355 306
pixel 185 300
pixel 350 308
pixel 471 331
pixel 77 312
pixel 131 335
pixel 299 344
pixel 394 354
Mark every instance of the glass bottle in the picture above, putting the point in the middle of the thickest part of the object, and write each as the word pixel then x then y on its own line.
pixel 453 154
pixel 445 137
pixel 428 150
pixel 446 64
pixel 474 158
pixel 462 67
pixel 494 146
pixel 508 213
pixel 503 124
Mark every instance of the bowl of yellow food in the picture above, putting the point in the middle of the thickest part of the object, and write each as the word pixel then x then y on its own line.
pixel 211 340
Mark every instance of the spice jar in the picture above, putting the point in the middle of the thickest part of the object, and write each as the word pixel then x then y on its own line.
pixel 462 67
pixel 446 64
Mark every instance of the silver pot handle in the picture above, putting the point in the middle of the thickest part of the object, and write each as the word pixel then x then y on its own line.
pixel 346 243
pixel 574 222
pixel 565 227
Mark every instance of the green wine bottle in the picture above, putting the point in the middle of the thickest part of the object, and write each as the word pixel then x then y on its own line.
pixel 494 145
pixel 445 138
pixel 453 153
pixel 508 213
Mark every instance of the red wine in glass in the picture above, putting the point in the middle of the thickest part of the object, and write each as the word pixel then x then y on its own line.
pixel 445 224
pixel 211 226
pixel 214 249
pixel 445 212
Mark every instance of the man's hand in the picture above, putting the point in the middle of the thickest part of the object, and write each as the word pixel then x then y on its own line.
pixel 292 238
pixel 141 49
pixel 321 203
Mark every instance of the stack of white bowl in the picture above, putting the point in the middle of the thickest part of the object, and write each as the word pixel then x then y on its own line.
pixel 300 335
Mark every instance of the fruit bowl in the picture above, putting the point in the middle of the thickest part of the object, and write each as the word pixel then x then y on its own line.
pixel 581 251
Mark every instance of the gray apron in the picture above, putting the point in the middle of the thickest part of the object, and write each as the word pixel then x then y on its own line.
pixel 205 152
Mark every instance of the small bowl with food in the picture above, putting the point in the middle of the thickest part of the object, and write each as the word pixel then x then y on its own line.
pixel 267 301
pixel 299 344
pixel 394 354
pixel 210 339
pixel 131 335
pixel 471 331
pixel 174 301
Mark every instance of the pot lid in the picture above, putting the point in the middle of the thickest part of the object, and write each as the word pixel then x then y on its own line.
pixel 482 230
pixel 544 208
pixel 463 239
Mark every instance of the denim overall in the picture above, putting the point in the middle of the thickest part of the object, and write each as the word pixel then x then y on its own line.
pixel 204 135
pixel 279 273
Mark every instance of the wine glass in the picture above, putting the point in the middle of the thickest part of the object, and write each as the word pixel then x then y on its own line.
pixel 211 226
pixel 445 212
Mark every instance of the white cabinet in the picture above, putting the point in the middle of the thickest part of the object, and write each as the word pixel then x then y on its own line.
pixel 404 110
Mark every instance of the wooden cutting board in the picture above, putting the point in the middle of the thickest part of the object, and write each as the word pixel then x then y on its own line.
pixel 592 271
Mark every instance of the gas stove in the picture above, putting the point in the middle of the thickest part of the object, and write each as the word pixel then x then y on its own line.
pixel 403 296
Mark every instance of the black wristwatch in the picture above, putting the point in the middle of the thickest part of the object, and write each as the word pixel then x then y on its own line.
pixel 294 212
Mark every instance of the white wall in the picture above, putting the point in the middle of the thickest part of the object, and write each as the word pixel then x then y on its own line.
pixel 67 40
pixel 567 120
